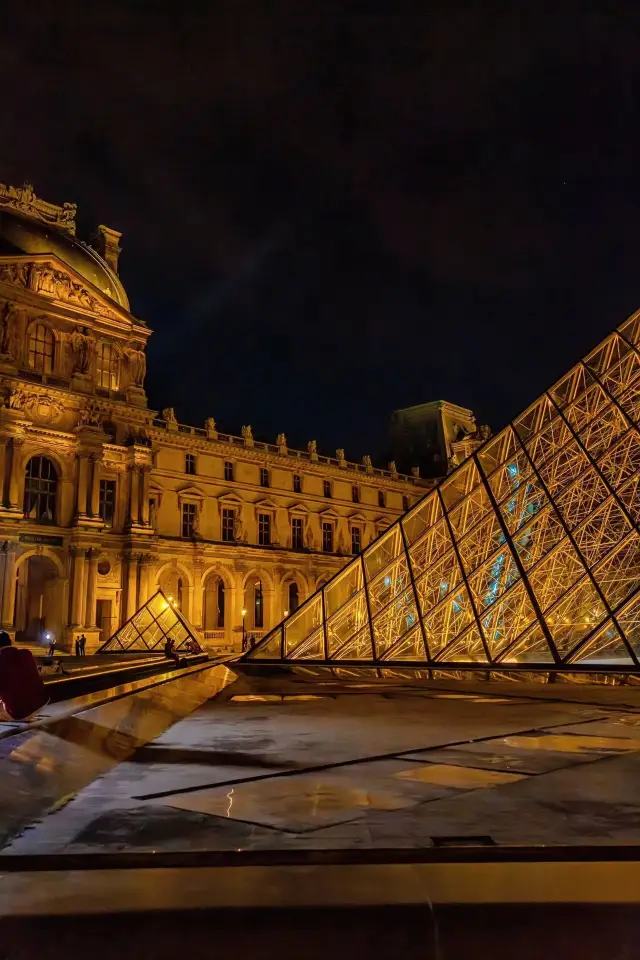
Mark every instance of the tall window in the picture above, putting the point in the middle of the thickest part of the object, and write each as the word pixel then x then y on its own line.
pixel 108 367
pixel 294 598
pixel 355 493
pixel 264 529
pixel 188 518
pixel 297 535
pixel 405 503
pixel 228 523
pixel 41 349
pixel 107 503
pixel 327 537
pixel 152 512
pixel 40 490
pixel 220 599
pixel 356 540
pixel 326 487
pixel 179 593
pixel 381 499
pixel 228 470
pixel 258 606
pixel 297 483
pixel 264 477
pixel 190 464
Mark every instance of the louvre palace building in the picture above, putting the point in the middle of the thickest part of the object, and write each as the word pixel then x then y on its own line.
pixel 104 501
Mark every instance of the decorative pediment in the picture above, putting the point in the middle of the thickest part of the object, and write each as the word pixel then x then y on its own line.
pixel 23 200
pixel 49 277
pixel 265 504
pixel 190 492
pixel 230 500
pixel 299 508
pixel 357 518
pixel 329 514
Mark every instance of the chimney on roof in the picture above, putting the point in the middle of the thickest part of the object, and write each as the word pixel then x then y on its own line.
pixel 106 242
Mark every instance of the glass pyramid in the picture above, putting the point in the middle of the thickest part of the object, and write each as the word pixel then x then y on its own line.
pixel 150 627
pixel 528 553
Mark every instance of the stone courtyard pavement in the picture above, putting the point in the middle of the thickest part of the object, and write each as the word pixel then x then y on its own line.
pixel 364 767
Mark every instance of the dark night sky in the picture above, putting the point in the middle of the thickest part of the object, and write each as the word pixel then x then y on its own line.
pixel 326 217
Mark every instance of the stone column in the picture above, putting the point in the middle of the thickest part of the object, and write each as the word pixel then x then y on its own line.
pixel 14 476
pixel 145 564
pixel 134 496
pixel 146 477
pixel 83 482
pixel 77 590
pixel 132 586
pixel 3 468
pixel 9 584
pixel 92 576
pixel 95 487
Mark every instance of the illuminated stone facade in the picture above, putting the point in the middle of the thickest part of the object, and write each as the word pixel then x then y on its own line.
pixel 103 501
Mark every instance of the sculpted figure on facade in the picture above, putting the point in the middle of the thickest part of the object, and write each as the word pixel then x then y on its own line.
pixel 210 425
pixel 82 349
pixel 238 530
pixel 485 432
pixel 89 416
pixel 309 539
pixel 195 526
pixel 312 446
pixel 281 440
pixel 366 462
pixel 169 415
pixel 15 399
pixel 8 334
pixel 392 466
pixel 15 273
pixel 340 454
pixel 137 364
pixel 247 432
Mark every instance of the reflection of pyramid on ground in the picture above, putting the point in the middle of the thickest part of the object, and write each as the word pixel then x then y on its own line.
pixel 527 553
pixel 150 627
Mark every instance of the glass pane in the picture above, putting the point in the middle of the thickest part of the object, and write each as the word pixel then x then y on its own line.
pixel 270 648
pixel 555 574
pixel 423 516
pixel 408 648
pixel 461 482
pixel 351 618
pixel 618 576
pixel 526 501
pixel 622 460
pixel 387 584
pixel 508 479
pixel 310 649
pixel 575 616
pixel 486 537
pixel 468 513
pixel 302 623
pixel 606 648
pixel 507 619
pixel 468 648
pixel 607 355
pixel 494 453
pixel 386 548
pixel 535 418
pixel 549 441
pixel 571 385
pixel 439 580
pixel 434 543
pixel 495 577
pixel 630 496
pixel 358 648
pixel 343 587
pixel 394 621
pixel 630 329
pixel 537 538
pixel 587 407
pixel 630 402
pixel 142 619
pixel 599 435
pixel 629 620
pixel 564 468
pixel 622 375
pixel 582 498
pixel 157 604
pixel 531 647
pixel 601 531
pixel 448 620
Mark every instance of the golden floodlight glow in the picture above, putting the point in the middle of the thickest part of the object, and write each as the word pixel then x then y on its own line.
pixel 528 552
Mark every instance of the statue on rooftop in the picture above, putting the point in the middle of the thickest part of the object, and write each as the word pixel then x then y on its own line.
pixel 312 446
pixel 247 432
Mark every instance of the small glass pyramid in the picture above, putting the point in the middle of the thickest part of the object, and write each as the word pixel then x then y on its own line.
pixel 151 626
pixel 528 553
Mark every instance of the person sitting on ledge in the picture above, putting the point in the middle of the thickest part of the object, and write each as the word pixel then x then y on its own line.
pixel 22 691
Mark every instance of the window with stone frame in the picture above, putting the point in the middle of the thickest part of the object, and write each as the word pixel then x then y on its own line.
pixel 264 477
pixel 405 502
pixel 264 529
pixel 228 524
pixel 40 490
pixel 228 470
pixel 107 502
pixel 327 536
pixel 326 488
pixel 190 464
pixel 356 539
pixel 297 533
pixel 381 499
pixel 189 514
pixel 297 483
pixel 41 348
pixel 355 493
pixel 107 366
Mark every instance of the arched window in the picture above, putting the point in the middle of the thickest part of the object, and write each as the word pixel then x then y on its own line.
pixel 294 598
pixel 41 349
pixel 108 367
pixel 179 593
pixel 258 605
pixel 40 490
pixel 214 604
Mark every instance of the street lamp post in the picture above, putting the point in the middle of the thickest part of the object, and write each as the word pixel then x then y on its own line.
pixel 244 632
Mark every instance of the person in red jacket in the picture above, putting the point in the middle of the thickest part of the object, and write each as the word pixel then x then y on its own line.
pixel 22 691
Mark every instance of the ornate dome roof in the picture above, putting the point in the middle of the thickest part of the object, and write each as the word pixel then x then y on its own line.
pixel 22 233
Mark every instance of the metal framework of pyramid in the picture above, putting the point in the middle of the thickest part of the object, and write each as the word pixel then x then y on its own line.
pixel 527 554
pixel 150 627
